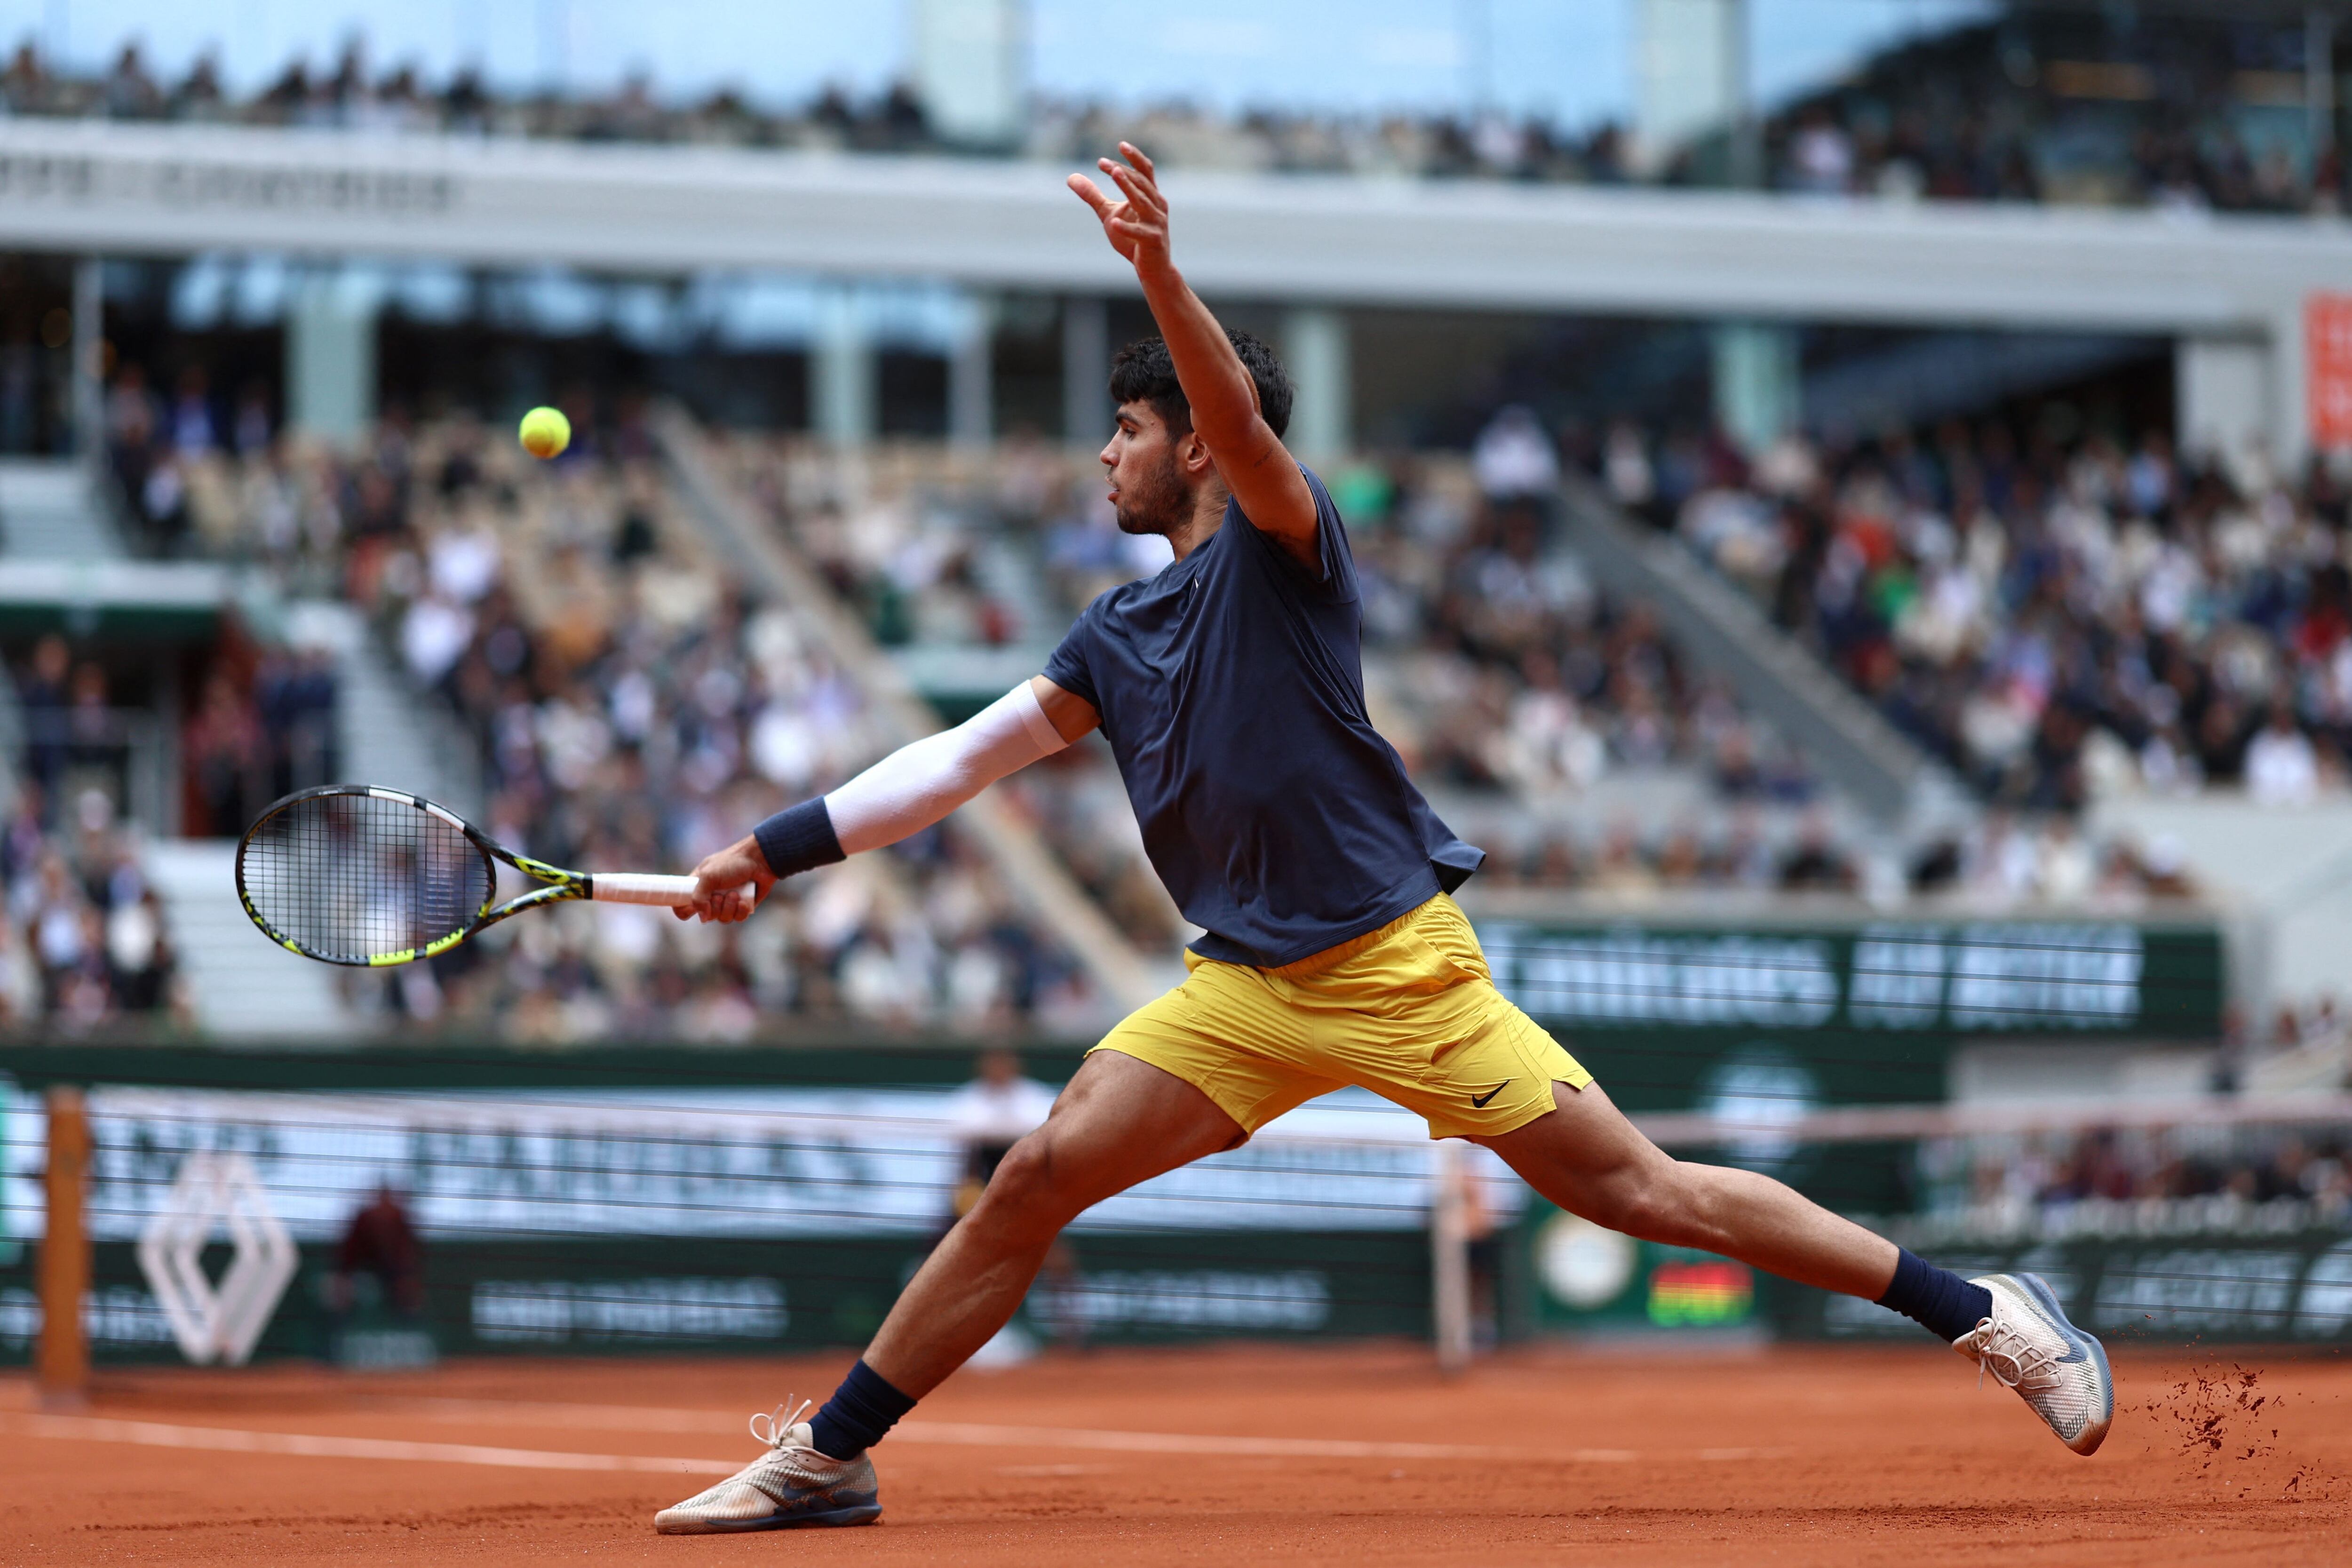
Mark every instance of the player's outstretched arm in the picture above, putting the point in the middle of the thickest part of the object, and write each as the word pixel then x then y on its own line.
pixel 1249 455
pixel 897 797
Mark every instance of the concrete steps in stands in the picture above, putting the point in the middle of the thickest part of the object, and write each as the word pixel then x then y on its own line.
pixel 388 733
pixel 50 510
pixel 242 986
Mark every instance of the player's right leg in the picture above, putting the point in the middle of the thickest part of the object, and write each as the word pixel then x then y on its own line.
pixel 1120 1121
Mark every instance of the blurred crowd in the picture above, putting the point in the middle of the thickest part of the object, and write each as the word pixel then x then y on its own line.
pixel 2061 619
pixel 938 549
pixel 2120 108
pixel 2002 863
pixel 1510 668
pixel 630 707
pixel 85 941
pixel 2038 105
pixel 2024 1177
pixel 84 944
pixel 1494 662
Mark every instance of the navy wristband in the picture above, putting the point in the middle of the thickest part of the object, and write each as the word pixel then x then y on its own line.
pixel 799 838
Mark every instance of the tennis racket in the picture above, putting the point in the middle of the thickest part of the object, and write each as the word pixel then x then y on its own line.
pixel 351 874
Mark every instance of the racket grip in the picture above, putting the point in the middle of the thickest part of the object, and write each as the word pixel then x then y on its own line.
pixel 641 888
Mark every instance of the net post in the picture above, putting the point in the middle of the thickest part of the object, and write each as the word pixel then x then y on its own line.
pixel 63 1363
pixel 1449 1256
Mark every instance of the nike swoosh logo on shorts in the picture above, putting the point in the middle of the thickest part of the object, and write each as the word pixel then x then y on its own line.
pixel 1478 1101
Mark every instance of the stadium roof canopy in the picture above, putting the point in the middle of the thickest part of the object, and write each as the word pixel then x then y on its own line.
pixel 97 187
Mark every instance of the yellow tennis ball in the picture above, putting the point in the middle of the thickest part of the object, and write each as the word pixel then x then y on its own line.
pixel 545 432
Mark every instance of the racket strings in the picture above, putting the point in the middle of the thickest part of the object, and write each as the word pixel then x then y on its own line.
pixel 350 877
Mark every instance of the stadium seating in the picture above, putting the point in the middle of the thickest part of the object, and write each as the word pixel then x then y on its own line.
pixel 2044 104
pixel 2052 105
pixel 557 609
pixel 85 949
pixel 1496 664
pixel 600 660
pixel 2061 620
pixel 2126 1175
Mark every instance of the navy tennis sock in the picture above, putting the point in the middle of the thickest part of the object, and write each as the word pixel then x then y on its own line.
pixel 1938 1300
pixel 861 1409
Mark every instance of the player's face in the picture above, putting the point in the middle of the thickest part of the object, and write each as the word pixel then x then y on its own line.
pixel 1147 472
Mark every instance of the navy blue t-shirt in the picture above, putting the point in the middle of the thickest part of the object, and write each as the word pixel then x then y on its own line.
pixel 1231 687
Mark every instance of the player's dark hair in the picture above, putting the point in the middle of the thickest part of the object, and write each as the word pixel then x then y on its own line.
pixel 1143 372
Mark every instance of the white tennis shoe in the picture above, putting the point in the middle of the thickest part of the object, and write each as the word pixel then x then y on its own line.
pixel 790 1487
pixel 2027 1344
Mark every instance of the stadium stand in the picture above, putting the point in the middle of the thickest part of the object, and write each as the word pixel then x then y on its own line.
pixel 1589 749
pixel 2051 103
pixel 599 660
pixel 2061 620
pixel 86 948
pixel 1499 667
pixel 1991 1180
pixel 2037 104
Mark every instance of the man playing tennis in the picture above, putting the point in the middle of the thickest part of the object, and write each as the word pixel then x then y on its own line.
pixel 1230 686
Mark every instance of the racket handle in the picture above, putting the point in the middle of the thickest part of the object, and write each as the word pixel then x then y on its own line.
pixel 641 888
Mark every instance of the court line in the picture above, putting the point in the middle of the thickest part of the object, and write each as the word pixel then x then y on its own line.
pixel 983 1434
pixel 162 1435
pixel 976 1434
pixel 231 1439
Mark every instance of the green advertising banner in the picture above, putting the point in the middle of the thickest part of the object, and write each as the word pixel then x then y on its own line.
pixel 1897 978
pixel 623 1295
pixel 1673 1017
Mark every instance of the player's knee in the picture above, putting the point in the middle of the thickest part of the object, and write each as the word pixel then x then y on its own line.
pixel 1633 1209
pixel 1027 1188
pixel 1654 1205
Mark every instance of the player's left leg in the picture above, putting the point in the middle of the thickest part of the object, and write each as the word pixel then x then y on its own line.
pixel 1586 1157
pixel 1590 1161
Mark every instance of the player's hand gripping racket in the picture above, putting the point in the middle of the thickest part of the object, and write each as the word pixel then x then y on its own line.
pixel 349 874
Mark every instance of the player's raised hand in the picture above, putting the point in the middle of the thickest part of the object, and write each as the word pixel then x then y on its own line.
pixel 1137 227
pixel 729 885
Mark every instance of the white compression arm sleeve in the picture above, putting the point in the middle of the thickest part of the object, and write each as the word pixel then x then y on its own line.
pixel 921 783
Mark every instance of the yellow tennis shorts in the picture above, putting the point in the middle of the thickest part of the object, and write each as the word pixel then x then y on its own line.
pixel 1408 1011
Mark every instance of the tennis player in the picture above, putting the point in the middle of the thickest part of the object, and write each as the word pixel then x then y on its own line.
pixel 1230 686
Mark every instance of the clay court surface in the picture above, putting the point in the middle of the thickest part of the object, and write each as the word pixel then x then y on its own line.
pixel 1240 1454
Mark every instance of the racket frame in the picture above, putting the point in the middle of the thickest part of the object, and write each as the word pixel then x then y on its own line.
pixel 565 886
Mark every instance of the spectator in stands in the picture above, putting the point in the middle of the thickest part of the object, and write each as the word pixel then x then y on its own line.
pixel 130 92
pixel 990 1115
pixel 380 1246
pixel 229 759
pixel 138 954
pixel 132 423
pixel 2282 768
pixel 1820 154
pixel 1514 458
pixel 192 429
pixel 42 693
pixel 1815 864
pixel 2065 621
pixel 295 696
pixel 95 749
